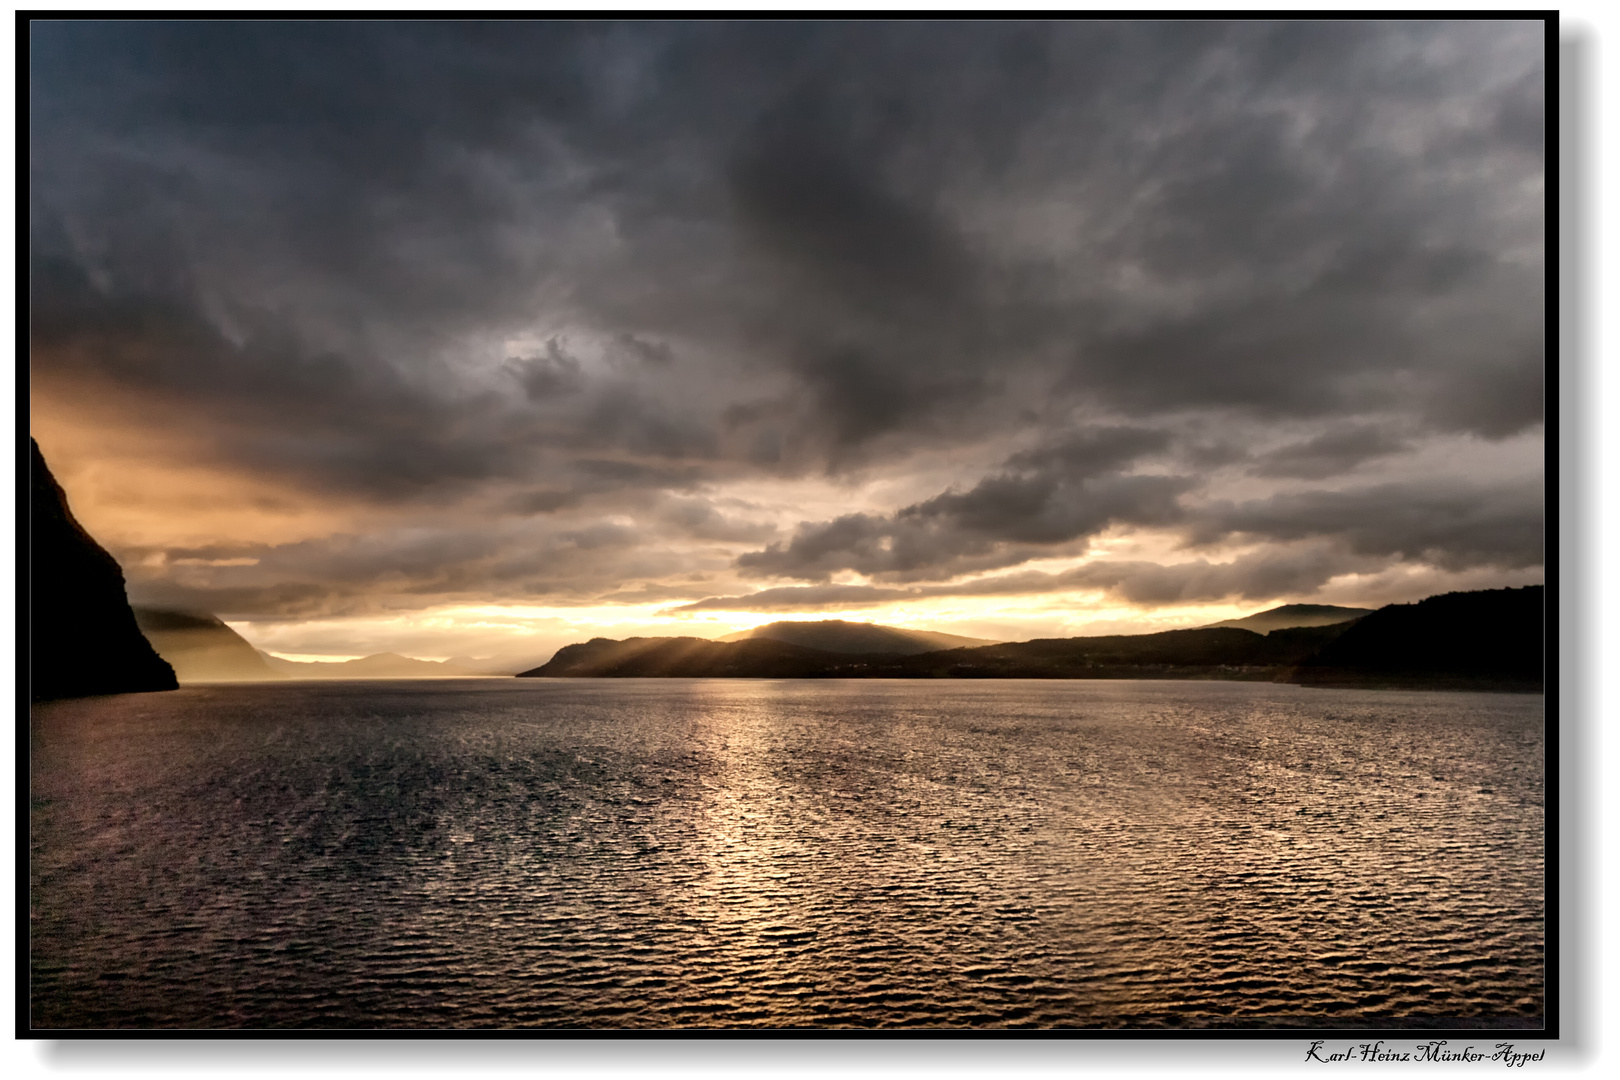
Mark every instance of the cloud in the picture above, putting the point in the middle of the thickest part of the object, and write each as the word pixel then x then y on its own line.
pixel 540 275
pixel 550 375
pixel 800 598
pixel 1297 570
pixel 1331 453
pixel 1273 573
pixel 1043 497
pixel 1450 525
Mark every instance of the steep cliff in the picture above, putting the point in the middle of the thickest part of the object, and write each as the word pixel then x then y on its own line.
pixel 82 636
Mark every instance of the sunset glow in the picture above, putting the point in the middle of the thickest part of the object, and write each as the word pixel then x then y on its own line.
pixel 672 361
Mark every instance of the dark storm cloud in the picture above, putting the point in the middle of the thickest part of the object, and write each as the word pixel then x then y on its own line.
pixel 1450 525
pixel 548 375
pixel 276 402
pixel 1286 572
pixel 1006 518
pixel 1292 571
pixel 1042 497
pixel 809 196
pixel 1330 453
pixel 404 569
pixel 401 261
pixel 1498 394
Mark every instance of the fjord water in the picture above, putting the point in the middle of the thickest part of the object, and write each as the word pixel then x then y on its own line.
pixel 662 853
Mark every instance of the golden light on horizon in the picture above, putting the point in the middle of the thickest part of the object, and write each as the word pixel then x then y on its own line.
pixel 503 629
pixel 286 441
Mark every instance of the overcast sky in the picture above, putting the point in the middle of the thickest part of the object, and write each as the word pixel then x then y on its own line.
pixel 480 338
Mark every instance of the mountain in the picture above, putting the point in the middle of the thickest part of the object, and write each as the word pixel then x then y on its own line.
pixel 380 666
pixel 200 648
pixel 1221 653
pixel 838 636
pixel 1291 615
pixel 1493 639
pixel 1486 640
pixel 696 658
pixel 82 637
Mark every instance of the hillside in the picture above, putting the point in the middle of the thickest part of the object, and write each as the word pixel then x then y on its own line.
pixel 1292 615
pixel 82 637
pixel 200 648
pixel 1489 640
pixel 838 636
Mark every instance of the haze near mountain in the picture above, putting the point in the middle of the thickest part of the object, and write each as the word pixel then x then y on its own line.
pixel 1281 618
pixel 838 636
pixel 201 648
pixel 377 666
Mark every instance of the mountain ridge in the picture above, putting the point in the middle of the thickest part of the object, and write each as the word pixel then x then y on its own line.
pixel 386 665
pixel 1221 653
pixel 839 636
pixel 1308 655
pixel 1289 616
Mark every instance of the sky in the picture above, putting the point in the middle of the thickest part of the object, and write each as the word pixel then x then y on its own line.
pixel 478 339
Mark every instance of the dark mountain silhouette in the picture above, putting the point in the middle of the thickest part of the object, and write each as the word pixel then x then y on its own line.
pixel 200 648
pixel 1489 640
pixel 1291 615
pixel 380 666
pixel 1223 653
pixel 689 657
pixel 1478 640
pixel 838 636
pixel 82 637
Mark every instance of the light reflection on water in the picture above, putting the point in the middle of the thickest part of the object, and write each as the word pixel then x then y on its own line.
pixel 629 853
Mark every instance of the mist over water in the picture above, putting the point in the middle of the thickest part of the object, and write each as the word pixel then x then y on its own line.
pixel 658 853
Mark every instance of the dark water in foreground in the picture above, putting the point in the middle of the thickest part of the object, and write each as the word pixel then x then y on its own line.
pixel 627 853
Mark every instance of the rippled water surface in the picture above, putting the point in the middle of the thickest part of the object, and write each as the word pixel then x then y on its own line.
pixel 629 853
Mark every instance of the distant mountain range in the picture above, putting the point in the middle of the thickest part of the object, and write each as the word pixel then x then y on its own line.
pixel 381 666
pixel 201 648
pixel 1479 640
pixel 1483 640
pixel 82 637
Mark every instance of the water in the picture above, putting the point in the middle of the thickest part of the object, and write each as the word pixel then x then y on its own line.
pixel 661 853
